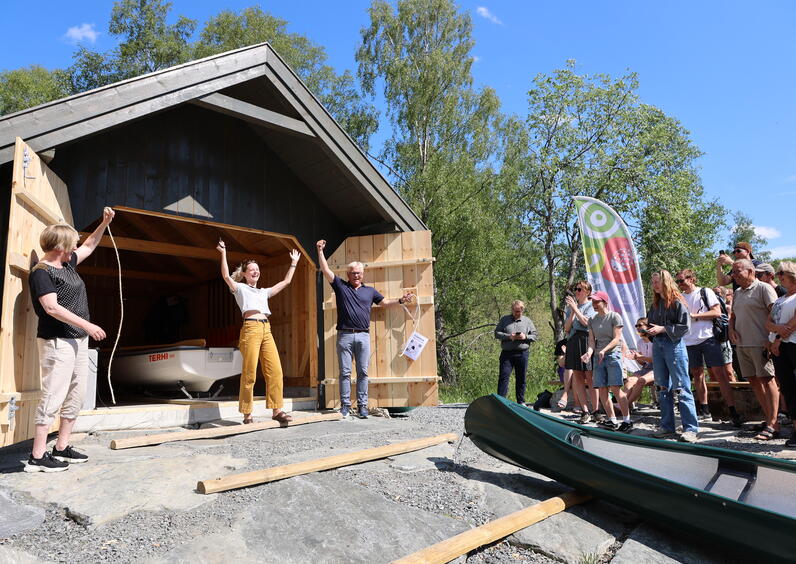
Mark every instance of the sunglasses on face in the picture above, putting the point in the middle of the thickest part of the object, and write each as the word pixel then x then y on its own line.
pixel 580 289
pixel 737 250
pixel 781 273
pixel 679 280
pixel 641 326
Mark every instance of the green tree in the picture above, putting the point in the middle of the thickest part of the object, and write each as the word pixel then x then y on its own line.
pixel 441 155
pixel 743 229
pixel 147 43
pixel 337 92
pixel 591 135
pixel 31 86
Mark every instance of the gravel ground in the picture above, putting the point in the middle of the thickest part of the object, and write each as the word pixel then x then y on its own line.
pixel 150 534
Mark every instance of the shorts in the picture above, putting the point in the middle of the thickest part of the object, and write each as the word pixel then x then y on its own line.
pixel 577 345
pixel 754 362
pixel 610 371
pixel 707 353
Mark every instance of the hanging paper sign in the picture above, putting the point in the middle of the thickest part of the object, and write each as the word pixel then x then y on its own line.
pixel 414 346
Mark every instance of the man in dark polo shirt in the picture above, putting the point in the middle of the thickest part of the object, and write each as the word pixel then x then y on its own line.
pixel 354 301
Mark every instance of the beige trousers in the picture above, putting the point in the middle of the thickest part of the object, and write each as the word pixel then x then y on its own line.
pixel 64 374
pixel 257 343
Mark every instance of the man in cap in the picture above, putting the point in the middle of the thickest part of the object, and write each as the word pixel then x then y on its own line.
pixel 741 251
pixel 765 273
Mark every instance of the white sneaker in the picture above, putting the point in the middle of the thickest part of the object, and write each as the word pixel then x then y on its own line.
pixel 688 437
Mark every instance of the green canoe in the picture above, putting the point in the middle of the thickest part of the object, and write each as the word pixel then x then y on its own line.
pixel 744 501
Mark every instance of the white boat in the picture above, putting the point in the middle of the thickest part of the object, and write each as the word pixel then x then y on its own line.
pixel 188 364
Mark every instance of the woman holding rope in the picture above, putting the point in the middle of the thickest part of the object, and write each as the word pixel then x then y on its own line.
pixel 61 304
pixel 256 340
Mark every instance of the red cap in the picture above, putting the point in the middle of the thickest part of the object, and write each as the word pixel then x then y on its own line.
pixel 601 296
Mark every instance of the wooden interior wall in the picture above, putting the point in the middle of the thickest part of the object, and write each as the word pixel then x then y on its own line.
pixel 215 316
pixel 38 198
pixel 394 263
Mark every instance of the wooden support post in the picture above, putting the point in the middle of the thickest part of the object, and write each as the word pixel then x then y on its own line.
pixel 145 440
pixel 319 464
pixel 493 531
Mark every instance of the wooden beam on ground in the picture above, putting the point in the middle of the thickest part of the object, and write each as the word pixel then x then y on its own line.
pixel 493 531
pixel 289 470
pixel 145 440
pixel 159 248
pixel 253 114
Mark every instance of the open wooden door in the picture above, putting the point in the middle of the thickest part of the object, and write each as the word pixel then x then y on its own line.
pixel 394 263
pixel 38 198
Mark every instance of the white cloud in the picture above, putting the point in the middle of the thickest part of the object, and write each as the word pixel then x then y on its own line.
pixel 783 252
pixel 476 59
pixel 82 32
pixel 767 232
pixel 484 12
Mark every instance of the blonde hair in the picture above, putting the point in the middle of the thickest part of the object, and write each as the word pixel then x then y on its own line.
pixel 58 237
pixel 516 303
pixel 669 292
pixel 585 284
pixel 237 275
pixel 788 267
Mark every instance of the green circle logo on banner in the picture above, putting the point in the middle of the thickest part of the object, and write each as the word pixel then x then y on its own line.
pixel 597 222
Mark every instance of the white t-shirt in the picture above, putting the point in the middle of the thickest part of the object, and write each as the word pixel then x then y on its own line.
pixel 703 329
pixel 249 298
pixel 781 312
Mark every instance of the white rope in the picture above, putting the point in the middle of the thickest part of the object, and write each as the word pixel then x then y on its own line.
pixel 121 316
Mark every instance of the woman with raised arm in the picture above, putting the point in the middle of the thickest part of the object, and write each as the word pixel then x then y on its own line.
pixel 61 304
pixel 669 320
pixel 256 341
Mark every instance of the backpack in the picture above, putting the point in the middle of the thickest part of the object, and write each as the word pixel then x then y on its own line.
pixel 721 324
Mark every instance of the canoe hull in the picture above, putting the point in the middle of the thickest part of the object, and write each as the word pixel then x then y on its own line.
pixel 550 446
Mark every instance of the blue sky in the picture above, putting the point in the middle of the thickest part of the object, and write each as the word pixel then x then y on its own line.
pixel 725 69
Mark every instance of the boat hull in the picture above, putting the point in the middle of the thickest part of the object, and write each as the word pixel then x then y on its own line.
pixel 195 368
pixel 662 480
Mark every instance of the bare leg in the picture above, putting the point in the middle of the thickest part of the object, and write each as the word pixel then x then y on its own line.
pixel 730 373
pixel 579 389
pixel 40 440
pixel 567 386
pixel 700 385
pixel 624 406
pixel 64 432
pixel 771 390
pixel 607 403
pixel 593 394
pixel 719 373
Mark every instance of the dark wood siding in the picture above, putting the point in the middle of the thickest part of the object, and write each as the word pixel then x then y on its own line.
pixel 219 161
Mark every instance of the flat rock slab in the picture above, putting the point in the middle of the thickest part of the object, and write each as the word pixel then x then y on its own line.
pixel 11 556
pixel 115 483
pixel 586 530
pixel 318 519
pixel 17 518
pixel 652 545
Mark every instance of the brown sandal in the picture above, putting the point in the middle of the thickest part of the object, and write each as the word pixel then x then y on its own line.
pixel 247 419
pixel 282 417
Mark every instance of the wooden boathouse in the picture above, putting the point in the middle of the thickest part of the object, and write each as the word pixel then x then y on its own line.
pixel 232 146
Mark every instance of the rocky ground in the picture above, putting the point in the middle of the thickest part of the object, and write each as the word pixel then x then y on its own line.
pixel 140 504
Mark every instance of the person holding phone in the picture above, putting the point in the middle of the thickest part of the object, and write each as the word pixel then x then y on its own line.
pixel 515 332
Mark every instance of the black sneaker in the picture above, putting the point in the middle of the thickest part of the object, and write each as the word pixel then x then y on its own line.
pixel 735 419
pixel 45 464
pixel 609 425
pixel 791 442
pixel 625 427
pixel 69 455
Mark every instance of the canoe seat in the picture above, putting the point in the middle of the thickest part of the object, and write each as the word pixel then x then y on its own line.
pixel 733 479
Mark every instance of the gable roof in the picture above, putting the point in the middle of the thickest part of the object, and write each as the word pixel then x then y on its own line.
pixel 252 83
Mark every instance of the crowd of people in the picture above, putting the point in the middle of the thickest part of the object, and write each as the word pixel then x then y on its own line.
pixel 691 334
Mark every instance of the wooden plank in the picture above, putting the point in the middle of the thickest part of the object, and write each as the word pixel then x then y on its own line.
pixel 225 431
pixel 160 248
pixel 41 208
pixel 230 106
pixel 281 472
pixel 338 268
pixel 392 379
pixel 19 262
pixel 424 300
pixel 493 531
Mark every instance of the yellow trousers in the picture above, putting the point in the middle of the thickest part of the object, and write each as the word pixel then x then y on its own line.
pixel 257 343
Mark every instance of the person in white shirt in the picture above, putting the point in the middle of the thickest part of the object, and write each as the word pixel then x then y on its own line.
pixel 703 348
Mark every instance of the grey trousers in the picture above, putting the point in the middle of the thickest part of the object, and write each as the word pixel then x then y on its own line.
pixel 356 346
